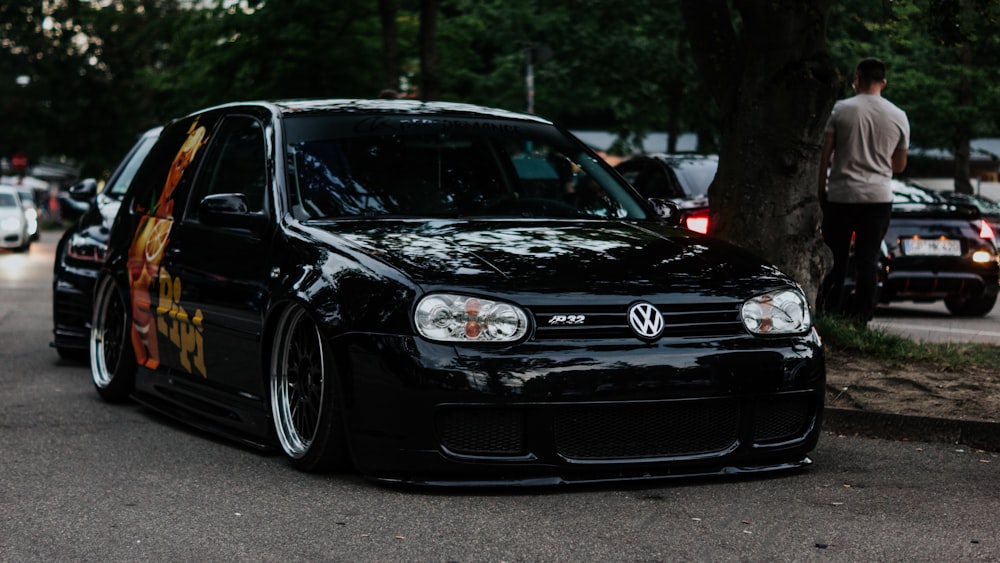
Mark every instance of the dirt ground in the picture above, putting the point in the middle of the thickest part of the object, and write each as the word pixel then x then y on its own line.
pixel 919 390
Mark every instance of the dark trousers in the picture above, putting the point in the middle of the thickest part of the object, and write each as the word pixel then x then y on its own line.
pixel 867 222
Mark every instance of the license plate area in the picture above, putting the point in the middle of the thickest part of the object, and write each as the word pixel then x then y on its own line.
pixel 932 247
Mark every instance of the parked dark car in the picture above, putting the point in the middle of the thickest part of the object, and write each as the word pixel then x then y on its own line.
pixel 82 249
pixel 940 250
pixel 443 294
pixel 681 178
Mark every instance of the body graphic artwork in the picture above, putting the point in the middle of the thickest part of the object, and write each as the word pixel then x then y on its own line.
pixel 146 252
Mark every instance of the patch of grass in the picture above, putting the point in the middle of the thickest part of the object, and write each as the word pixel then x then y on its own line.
pixel 844 337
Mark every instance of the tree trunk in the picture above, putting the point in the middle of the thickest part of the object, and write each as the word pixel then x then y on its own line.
pixel 775 86
pixel 430 72
pixel 387 10
pixel 963 130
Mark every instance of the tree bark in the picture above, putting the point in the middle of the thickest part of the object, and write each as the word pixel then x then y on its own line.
pixel 387 10
pixel 430 72
pixel 775 85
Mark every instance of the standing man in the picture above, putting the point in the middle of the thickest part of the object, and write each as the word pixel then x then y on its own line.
pixel 865 143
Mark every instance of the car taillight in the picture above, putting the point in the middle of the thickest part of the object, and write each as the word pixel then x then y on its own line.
pixel 697 222
pixel 985 230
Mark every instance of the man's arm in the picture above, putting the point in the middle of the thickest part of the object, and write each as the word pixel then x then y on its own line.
pixel 899 161
pixel 824 165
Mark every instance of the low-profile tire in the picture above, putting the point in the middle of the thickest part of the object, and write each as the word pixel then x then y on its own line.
pixel 112 360
pixel 305 398
pixel 975 306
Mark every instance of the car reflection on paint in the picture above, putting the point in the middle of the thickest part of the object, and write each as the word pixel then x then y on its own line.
pixel 443 294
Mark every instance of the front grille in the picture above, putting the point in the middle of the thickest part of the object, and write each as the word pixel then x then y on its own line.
pixel 611 321
pixel 782 418
pixel 485 432
pixel 647 430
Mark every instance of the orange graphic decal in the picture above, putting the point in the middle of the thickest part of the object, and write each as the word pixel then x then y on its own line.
pixel 184 332
pixel 146 251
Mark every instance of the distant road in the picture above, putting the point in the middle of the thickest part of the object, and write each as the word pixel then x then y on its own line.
pixel 931 322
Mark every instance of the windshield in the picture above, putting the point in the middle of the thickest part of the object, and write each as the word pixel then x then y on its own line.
pixel 434 167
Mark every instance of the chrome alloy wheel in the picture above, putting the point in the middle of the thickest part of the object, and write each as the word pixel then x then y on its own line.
pixel 297 382
pixel 107 334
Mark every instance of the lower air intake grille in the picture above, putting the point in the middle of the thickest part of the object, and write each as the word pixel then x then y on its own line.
pixel 782 419
pixel 636 431
pixel 482 431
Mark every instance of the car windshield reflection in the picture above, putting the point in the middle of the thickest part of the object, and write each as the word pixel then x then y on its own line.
pixel 451 176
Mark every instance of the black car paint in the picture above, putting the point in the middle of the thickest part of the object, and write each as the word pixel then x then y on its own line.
pixel 220 289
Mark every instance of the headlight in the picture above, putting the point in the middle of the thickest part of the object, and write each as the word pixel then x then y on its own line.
pixel 460 318
pixel 981 257
pixel 778 312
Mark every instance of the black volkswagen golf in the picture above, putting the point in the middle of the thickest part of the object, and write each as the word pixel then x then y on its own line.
pixel 443 294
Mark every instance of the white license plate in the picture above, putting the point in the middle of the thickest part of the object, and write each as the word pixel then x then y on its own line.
pixel 932 247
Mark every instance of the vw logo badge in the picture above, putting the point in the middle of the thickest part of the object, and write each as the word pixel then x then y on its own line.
pixel 645 320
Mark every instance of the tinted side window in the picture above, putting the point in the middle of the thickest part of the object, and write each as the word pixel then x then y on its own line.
pixel 234 164
pixel 135 159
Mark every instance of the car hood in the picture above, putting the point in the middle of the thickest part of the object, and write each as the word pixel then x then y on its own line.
pixel 560 256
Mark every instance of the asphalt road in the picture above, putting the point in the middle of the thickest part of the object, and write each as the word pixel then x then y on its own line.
pixel 81 480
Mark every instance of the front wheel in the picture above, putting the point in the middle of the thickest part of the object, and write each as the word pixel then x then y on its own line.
pixel 112 361
pixel 966 306
pixel 305 402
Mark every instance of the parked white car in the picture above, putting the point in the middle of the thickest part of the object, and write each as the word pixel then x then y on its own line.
pixel 13 223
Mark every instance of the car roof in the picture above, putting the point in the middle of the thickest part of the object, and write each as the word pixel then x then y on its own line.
pixel 416 107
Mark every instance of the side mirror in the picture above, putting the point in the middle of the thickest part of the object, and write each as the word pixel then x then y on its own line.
pixel 666 210
pixel 84 190
pixel 230 210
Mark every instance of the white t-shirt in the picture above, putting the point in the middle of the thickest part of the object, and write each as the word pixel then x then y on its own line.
pixel 867 129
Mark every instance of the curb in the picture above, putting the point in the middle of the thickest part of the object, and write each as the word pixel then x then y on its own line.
pixel 972 433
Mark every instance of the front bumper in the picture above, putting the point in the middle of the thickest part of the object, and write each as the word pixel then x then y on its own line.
pixel 72 306
pixel 429 414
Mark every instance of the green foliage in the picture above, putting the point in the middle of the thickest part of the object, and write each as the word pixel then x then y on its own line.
pixel 843 336
pixel 942 61
pixel 101 72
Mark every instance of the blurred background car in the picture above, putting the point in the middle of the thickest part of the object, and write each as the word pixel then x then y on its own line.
pixel 680 178
pixel 940 247
pixel 14 233
pixel 31 212
pixel 82 249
